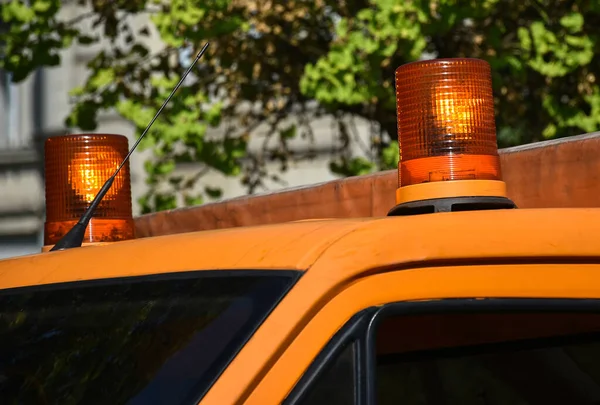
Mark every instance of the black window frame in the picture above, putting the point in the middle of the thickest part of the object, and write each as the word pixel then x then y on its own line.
pixel 362 328
pixel 353 332
pixel 292 275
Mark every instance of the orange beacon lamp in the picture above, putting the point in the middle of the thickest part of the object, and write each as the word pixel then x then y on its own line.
pixel 88 190
pixel 447 138
pixel 76 168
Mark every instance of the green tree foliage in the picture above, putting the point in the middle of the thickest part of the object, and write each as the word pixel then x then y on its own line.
pixel 270 60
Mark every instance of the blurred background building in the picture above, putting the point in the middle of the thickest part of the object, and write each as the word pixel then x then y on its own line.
pixel 32 111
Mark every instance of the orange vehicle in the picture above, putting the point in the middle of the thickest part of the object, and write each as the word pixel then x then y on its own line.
pixel 456 296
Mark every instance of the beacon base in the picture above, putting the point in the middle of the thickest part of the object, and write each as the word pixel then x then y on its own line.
pixel 451 204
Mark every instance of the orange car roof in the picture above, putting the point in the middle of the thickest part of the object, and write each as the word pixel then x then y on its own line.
pixel 338 249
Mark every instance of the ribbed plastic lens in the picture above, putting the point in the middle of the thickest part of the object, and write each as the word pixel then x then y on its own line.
pixel 76 167
pixel 446 128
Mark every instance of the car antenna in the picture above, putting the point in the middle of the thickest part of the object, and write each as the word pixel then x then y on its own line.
pixel 74 238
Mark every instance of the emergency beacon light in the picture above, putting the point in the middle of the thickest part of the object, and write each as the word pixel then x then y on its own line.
pixel 447 138
pixel 88 191
pixel 76 168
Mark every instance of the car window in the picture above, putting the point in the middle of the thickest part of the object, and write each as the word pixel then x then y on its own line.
pixel 524 359
pixel 131 341
pixel 336 384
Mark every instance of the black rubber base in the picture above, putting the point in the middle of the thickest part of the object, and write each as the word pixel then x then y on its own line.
pixel 452 204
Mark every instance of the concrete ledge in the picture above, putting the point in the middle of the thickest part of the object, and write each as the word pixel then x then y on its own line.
pixel 9 158
pixel 22 225
pixel 22 192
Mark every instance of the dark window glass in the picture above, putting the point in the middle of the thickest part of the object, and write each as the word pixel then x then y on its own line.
pixel 529 359
pixel 335 386
pixel 133 342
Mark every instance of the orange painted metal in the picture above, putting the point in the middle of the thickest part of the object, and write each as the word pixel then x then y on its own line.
pixel 286 247
pixel 470 239
pixel 356 244
pixel 338 257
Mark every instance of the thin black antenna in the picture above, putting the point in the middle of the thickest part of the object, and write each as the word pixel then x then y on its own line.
pixel 74 238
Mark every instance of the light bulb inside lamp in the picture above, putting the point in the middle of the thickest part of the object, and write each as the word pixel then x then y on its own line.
pixel 89 171
pixel 454 113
